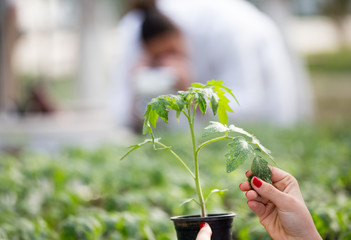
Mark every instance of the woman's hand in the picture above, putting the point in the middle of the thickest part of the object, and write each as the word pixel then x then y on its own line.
pixel 205 232
pixel 280 207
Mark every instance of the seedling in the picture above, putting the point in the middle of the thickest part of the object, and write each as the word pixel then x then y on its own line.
pixel 243 146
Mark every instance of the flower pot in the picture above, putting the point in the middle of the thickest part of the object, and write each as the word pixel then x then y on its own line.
pixel 187 227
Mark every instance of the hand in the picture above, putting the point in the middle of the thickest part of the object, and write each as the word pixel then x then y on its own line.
pixel 280 207
pixel 205 232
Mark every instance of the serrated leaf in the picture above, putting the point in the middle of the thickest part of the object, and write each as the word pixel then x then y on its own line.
pixel 231 93
pixel 214 127
pixel 223 101
pixel 202 102
pixel 153 116
pixel 212 96
pixel 240 151
pixel 160 106
pixel 258 147
pixel 223 107
pixel 261 149
pixel 198 85
pixel 260 169
pixel 233 128
pixel 146 125
pixel 176 103
pixel 219 84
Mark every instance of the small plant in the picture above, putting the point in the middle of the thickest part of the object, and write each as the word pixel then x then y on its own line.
pixel 243 146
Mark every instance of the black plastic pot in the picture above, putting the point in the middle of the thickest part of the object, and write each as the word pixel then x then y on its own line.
pixel 187 227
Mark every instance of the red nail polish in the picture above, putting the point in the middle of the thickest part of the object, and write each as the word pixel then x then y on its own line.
pixel 247 172
pixel 257 182
pixel 202 224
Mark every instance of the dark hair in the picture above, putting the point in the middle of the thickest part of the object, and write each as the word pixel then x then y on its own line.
pixel 155 23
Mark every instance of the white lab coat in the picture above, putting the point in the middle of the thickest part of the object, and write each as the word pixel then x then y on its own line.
pixel 227 40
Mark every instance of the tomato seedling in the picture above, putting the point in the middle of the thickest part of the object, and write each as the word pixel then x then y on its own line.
pixel 244 146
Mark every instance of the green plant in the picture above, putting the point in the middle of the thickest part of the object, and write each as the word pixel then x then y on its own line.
pixel 213 94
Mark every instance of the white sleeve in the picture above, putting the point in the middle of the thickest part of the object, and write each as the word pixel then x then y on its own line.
pixel 256 65
pixel 129 50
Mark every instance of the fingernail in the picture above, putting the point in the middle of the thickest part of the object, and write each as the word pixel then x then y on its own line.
pixel 247 172
pixel 257 182
pixel 202 224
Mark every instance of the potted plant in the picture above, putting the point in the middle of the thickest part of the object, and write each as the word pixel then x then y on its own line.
pixel 242 146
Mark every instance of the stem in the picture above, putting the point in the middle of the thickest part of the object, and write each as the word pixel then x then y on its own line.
pixel 211 141
pixel 178 158
pixel 196 164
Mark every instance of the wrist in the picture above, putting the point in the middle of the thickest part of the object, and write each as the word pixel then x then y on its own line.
pixel 313 235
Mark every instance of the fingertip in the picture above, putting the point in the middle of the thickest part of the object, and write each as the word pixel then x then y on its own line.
pixel 248 173
pixel 251 195
pixel 256 182
pixel 205 231
pixel 202 225
pixel 244 186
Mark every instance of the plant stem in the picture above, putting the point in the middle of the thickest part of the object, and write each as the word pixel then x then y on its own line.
pixel 211 141
pixel 178 158
pixel 196 164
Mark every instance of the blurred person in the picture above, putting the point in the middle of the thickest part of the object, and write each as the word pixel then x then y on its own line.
pixel 280 207
pixel 168 44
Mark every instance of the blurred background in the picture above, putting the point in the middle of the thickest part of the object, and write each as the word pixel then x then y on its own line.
pixel 60 140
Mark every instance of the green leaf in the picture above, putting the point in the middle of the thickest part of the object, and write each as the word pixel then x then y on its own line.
pixel 136 146
pixel 160 106
pixel 223 101
pixel 262 151
pixel 153 116
pixel 240 151
pixel 146 116
pixel 189 200
pixel 218 191
pixel 198 85
pixel 219 84
pixel 228 90
pixel 223 107
pixel 261 170
pixel 214 127
pixel 176 103
pixel 212 96
pixel 150 118
pixel 214 103
pixel 202 102
pixel 258 147
pixel 233 128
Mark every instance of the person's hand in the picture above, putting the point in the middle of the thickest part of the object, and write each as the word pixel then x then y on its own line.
pixel 205 232
pixel 280 207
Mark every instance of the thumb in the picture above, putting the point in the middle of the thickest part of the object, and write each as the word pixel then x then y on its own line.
pixel 205 232
pixel 268 191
